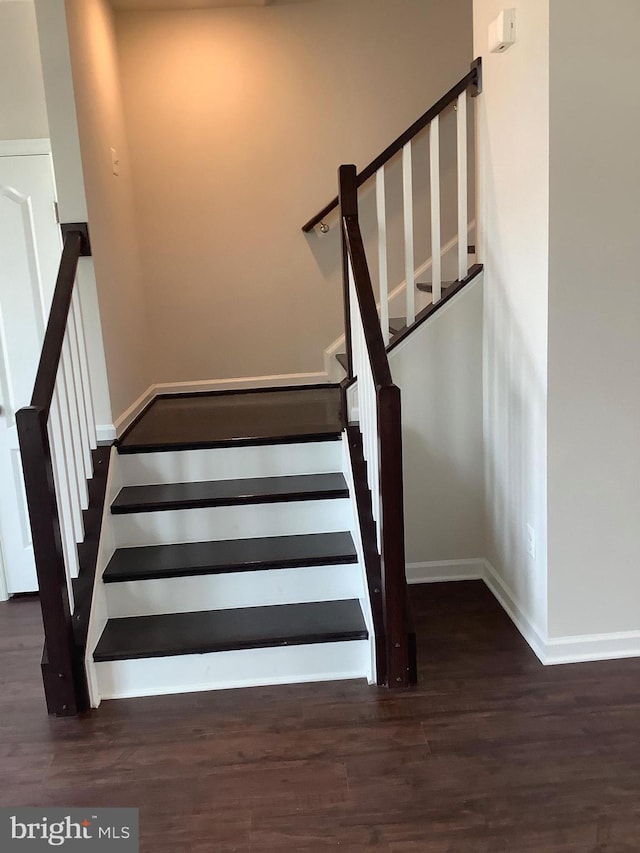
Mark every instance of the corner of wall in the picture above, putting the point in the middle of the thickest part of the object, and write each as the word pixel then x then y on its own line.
pixel 513 210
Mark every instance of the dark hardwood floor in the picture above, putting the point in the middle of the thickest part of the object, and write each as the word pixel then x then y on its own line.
pixel 492 753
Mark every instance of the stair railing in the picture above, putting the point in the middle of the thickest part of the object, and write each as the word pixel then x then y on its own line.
pixel 57 434
pixel 381 428
pixel 469 86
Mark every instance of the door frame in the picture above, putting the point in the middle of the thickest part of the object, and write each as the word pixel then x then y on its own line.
pixel 19 148
pixel 4 591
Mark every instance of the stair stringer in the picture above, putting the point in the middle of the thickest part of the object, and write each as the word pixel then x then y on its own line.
pixel 356 533
pixel 106 547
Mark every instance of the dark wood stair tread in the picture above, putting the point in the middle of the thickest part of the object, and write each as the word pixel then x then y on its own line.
pixel 235 418
pixel 342 359
pixel 211 493
pixel 199 558
pixel 427 286
pixel 226 630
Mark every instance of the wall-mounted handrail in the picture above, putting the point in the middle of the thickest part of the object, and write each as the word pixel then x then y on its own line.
pixel 58 406
pixel 471 81
pixel 381 429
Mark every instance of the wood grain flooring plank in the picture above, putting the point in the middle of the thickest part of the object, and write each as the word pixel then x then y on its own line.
pixel 491 753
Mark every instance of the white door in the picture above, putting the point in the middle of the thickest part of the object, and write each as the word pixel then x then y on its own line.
pixel 30 247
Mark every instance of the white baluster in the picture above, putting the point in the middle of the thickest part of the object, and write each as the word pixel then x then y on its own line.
pixel 462 186
pixel 63 483
pixel 409 260
pixel 84 365
pixel 370 436
pixel 353 314
pixel 376 463
pixel 381 207
pixel 78 387
pixel 74 420
pixel 71 461
pixel 436 242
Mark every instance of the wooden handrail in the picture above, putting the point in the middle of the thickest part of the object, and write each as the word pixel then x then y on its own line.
pixel 367 303
pixel 57 324
pixel 471 81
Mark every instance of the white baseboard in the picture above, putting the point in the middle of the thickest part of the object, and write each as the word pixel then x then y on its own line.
pixel 242 382
pixel 22 147
pixel 4 592
pixel 509 603
pixel 592 647
pixel 446 570
pixel 549 650
pixel 236 384
pixel 128 416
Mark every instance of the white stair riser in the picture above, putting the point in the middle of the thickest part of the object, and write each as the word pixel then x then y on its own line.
pixel 232 522
pixel 233 589
pixel 230 463
pixel 241 668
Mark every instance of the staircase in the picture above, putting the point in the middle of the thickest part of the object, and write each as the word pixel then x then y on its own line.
pixel 240 538
pixel 234 561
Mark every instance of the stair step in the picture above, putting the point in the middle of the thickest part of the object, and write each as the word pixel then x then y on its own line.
pixel 232 590
pixel 235 555
pixel 231 463
pixel 342 359
pixel 225 630
pixel 427 286
pixel 242 521
pixel 235 419
pixel 219 493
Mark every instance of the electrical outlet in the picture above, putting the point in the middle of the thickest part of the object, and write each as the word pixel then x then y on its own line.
pixel 531 542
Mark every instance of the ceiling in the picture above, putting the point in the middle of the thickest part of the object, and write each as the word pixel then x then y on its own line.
pixel 157 5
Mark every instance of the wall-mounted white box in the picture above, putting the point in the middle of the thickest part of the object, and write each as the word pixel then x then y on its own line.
pixel 502 31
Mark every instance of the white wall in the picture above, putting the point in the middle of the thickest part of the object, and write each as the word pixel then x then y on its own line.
pixel 49 30
pixel 23 111
pixel 439 371
pixel 594 319
pixel 513 208
pixel 238 120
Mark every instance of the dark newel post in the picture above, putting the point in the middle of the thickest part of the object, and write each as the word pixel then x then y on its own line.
pixel 393 558
pixel 348 181
pixel 63 688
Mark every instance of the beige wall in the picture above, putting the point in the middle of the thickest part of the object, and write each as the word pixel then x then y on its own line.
pixel 109 200
pixel 237 122
pixel 513 209
pixel 594 319
pixel 23 112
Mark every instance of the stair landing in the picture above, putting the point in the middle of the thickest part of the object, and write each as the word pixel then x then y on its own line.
pixel 193 421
